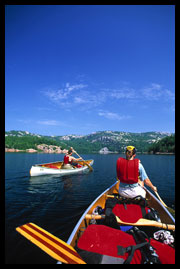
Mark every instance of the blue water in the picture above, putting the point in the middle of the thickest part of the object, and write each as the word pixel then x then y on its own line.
pixel 56 203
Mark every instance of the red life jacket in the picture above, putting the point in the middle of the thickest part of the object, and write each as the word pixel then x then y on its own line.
pixel 66 159
pixel 127 170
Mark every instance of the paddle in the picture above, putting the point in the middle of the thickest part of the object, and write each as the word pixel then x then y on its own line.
pixel 172 211
pixel 90 167
pixel 140 222
pixel 52 245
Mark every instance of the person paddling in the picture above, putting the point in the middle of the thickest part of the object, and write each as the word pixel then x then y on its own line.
pixel 132 175
pixel 70 161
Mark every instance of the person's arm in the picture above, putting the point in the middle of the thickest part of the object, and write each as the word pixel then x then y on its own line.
pixel 74 159
pixel 78 159
pixel 141 182
pixel 148 182
pixel 145 179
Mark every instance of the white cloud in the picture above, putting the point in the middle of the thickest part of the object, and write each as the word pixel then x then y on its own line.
pixel 43 122
pixel 156 92
pixel 153 92
pixel 86 97
pixel 123 93
pixel 74 87
pixel 79 100
pixel 63 93
pixel 170 95
pixel 48 122
pixel 27 121
pixel 112 115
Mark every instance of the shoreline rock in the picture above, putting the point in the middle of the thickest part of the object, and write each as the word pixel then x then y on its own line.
pixel 40 149
pixel 105 150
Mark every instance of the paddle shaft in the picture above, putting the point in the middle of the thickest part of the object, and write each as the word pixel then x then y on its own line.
pixel 90 168
pixel 140 222
pixel 160 199
pixel 171 210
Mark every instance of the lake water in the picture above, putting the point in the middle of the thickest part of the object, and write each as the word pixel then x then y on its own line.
pixel 56 203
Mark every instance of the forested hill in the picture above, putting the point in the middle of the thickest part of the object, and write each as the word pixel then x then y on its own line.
pixel 165 145
pixel 92 143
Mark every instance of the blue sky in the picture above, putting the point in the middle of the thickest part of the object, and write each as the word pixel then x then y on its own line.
pixel 78 69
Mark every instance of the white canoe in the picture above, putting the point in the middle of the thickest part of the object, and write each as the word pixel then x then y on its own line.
pixel 55 168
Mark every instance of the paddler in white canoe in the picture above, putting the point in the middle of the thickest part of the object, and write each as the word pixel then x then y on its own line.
pixel 70 161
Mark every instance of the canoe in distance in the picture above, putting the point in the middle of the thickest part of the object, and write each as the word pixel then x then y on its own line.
pixel 56 168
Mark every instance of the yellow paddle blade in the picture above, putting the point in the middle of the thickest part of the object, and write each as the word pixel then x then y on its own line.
pixel 52 245
pixel 146 222
pixel 90 167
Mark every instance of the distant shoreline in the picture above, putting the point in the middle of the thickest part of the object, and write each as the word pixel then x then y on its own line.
pixel 64 152
pixel 57 151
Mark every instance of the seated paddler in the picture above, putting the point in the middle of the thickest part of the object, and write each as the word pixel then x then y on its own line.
pixel 132 175
pixel 71 162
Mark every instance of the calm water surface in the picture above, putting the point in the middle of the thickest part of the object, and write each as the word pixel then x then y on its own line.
pixel 57 202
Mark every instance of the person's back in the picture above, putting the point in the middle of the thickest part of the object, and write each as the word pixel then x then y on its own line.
pixel 127 170
pixel 67 161
pixel 132 175
pixel 70 162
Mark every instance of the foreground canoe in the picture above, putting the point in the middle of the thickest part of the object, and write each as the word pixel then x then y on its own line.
pixel 56 168
pixel 167 221
pixel 101 237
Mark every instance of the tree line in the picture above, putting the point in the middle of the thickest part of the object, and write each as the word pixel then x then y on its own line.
pixel 165 145
pixel 28 142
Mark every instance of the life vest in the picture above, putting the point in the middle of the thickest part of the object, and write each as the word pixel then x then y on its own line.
pixel 127 170
pixel 66 159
